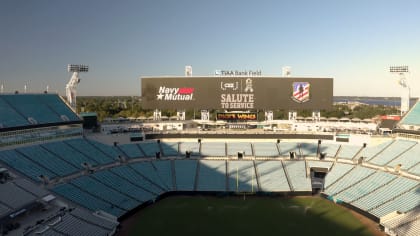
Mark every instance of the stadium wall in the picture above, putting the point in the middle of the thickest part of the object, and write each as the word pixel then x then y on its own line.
pixel 240 136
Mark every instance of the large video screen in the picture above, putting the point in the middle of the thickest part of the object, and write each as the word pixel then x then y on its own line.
pixel 237 93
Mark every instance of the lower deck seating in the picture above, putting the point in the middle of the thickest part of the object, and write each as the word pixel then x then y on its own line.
pixel 403 203
pixel 123 186
pixel 131 150
pixel 48 160
pixel 100 190
pixel 134 177
pixel 365 186
pixel 354 176
pixel 25 166
pixel 212 176
pixel 385 193
pixel 149 148
pixel 298 176
pixel 337 171
pixel 89 150
pixel 242 176
pixel 148 170
pixel 87 200
pixel 272 177
pixel 185 172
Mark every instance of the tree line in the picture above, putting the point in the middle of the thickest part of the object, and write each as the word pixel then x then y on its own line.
pixel 130 106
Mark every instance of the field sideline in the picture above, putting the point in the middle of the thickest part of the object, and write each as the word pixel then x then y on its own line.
pixel 250 215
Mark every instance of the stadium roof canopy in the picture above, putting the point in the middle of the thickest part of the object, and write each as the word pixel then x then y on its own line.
pixel 412 119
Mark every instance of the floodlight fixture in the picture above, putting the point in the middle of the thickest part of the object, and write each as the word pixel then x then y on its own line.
pixel 286 71
pixel 398 69
pixel 77 68
pixel 188 71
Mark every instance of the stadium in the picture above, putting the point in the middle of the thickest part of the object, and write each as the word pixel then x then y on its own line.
pixel 59 179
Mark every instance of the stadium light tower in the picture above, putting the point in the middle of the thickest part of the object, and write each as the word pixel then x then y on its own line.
pixel 286 71
pixel 71 86
pixel 401 71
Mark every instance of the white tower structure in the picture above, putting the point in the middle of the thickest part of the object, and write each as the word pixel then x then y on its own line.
pixel 188 71
pixel 286 71
pixel 402 71
pixel 71 86
pixel 180 114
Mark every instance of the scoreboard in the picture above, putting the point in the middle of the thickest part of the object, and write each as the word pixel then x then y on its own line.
pixel 237 93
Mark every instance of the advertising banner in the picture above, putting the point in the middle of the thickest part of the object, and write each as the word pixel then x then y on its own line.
pixel 237 93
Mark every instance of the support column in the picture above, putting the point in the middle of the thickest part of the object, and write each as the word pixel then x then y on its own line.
pixel 205 115
pixel 292 115
pixel 157 115
pixel 269 115
pixel 316 115
pixel 180 115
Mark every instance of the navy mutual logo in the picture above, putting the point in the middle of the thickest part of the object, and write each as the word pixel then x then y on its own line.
pixel 301 92
pixel 175 94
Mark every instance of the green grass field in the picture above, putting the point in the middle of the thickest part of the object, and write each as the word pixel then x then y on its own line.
pixel 201 216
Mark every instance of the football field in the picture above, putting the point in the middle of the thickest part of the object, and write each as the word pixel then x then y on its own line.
pixel 249 215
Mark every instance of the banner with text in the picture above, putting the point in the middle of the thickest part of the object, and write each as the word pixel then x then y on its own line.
pixel 237 93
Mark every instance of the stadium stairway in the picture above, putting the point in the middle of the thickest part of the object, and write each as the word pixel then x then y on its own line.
pixel 278 149
pixel 300 154
pixel 257 176
pixel 253 149
pixel 197 174
pixel 336 155
pixel 287 177
pixel 173 175
pixel 227 175
pixel 199 149
pixel 227 150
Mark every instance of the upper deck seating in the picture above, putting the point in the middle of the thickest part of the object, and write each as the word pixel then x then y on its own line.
pixel 213 149
pixel 265 149
pixel 243 147
pixel 169 149
pixel 288 147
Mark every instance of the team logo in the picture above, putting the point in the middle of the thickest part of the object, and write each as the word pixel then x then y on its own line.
pixel 175 94
pixel 301 92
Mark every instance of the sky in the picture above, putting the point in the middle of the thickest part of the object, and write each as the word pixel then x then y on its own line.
pixel 353 42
